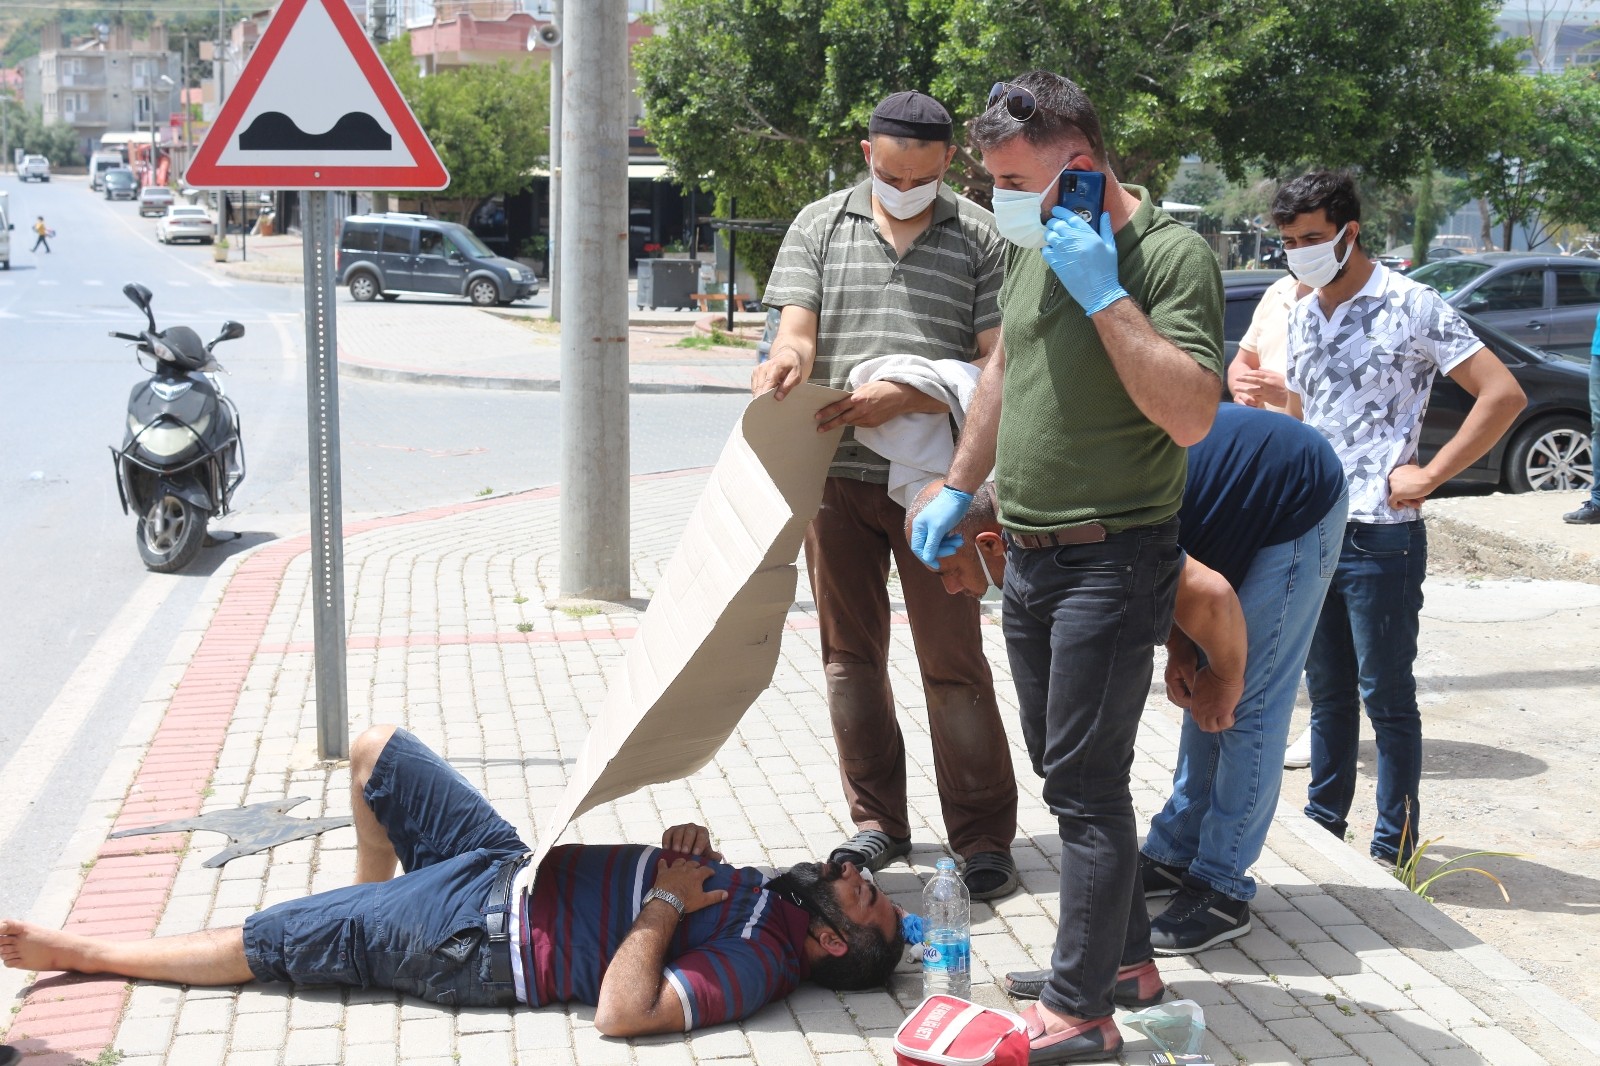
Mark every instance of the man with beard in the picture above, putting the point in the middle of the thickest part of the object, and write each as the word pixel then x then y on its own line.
pixel 655 939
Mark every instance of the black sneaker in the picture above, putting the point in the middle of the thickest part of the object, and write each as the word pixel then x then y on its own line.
pixel 1158 878
pixel 871 849
pixel 1199 917
pixel 1586 515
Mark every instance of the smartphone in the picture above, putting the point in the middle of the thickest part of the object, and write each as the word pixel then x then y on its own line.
pixel 1083 192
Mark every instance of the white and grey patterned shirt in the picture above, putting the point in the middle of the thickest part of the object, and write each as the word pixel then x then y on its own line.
pixel 1364 375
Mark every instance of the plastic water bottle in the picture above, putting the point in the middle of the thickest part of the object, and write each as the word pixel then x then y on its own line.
pixel 947 951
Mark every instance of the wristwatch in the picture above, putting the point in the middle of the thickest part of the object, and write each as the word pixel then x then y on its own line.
pixel 664 896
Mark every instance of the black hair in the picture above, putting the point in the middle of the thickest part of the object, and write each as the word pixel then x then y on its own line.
pixel 870 957
pixel 1062 108
pixel 1331 191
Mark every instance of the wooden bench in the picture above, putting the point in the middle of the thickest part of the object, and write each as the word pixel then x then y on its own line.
pixel 705 299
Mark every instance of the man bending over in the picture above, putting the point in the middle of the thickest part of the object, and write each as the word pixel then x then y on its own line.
pixel 655 939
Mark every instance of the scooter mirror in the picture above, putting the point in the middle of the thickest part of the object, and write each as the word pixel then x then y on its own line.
pixel 231 331
pixel 138 294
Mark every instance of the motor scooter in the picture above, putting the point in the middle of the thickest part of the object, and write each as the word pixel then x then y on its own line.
pixel 182 456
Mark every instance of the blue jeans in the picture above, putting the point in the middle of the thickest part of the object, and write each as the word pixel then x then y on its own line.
pixel 1363 652
pixel 422 933
pixel 1225 786
pixel 1081 625
pixel 1594 418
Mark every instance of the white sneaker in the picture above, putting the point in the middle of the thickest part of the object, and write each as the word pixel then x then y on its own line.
pixel 1298 757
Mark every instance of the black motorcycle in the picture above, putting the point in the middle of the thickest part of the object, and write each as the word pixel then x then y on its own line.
pixel 182 456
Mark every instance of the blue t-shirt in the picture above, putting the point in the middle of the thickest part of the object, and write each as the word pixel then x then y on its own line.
pixel 1259 478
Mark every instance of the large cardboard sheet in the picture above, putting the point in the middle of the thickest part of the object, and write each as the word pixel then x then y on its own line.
pixel 708 644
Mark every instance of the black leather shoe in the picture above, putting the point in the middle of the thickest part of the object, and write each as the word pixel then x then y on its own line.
pixel 1586 515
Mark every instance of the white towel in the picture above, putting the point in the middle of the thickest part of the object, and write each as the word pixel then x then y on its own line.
pixel 919 446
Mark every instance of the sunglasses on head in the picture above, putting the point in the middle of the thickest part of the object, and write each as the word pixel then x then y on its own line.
pixel 1020 103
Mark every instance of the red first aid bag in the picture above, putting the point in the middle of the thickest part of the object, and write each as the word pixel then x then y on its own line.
pixel 947 1031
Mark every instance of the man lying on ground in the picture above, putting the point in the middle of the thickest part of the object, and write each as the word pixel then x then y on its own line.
pixel 657 940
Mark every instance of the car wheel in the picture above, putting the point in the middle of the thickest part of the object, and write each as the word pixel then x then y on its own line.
pixel 1552 454
pixel 363 286
pixel 484 293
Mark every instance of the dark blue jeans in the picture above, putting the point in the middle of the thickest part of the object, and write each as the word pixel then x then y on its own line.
pixel 1081 626
pixel 1363 652
pixel 423 933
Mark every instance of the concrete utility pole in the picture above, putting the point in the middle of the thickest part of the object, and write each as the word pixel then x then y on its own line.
pixel 553 252
pixel 594 333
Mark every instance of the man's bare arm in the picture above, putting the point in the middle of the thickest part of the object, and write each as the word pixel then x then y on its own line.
pixel 635 996
pixel 1208 612
pixel 1164 381
pixel 1498 399
pixel 975 454
pixel 794 352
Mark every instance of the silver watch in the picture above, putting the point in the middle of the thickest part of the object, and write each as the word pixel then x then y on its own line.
pixel 664 896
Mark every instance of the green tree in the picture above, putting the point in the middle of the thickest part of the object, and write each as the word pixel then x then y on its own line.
pixel 489 124
pixel 1541 174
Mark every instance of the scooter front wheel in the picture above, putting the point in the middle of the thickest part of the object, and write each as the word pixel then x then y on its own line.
pixel 169 534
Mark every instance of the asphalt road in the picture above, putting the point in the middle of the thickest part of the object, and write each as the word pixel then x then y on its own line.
pixel 88 626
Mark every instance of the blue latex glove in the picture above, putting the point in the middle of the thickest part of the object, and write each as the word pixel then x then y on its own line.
pixel 1085 261
pixel 931 539
pixel 912 928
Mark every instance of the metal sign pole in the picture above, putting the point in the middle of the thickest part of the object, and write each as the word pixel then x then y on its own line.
pixel 327 525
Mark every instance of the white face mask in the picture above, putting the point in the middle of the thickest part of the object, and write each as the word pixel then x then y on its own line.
pixel 907 203
pixel 983 561
pixel 1017 217
pixel 1318 264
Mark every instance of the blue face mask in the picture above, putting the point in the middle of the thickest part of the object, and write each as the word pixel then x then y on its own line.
pixel 1017 215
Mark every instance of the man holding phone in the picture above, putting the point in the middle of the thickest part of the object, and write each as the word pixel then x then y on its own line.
pixel 1110 365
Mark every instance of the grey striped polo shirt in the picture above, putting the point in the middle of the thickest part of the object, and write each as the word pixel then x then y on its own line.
pixel 932 302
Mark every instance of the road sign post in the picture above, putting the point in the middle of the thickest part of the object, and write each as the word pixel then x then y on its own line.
pixel 315 109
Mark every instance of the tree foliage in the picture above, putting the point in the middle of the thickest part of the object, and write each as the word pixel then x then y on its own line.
pixel 1542 174
pixel 489 124
pixel 27 130
pixel 766 99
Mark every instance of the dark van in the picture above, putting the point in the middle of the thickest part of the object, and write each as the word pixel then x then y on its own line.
pixel 387 254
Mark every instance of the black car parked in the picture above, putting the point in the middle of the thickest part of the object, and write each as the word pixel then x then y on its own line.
pixel 387 254
pixel 120 184
pixel 1547 447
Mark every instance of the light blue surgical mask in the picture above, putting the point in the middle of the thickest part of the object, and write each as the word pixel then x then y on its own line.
pixel 1018 217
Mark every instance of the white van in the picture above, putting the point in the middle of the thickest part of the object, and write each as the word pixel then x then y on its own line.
pixel 5 231
pixel 99 163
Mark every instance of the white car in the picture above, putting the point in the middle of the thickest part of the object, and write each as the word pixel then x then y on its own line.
pixel 34 168
pixel 183 222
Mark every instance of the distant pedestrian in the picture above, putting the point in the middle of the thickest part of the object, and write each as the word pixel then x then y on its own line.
pixel 42 231
pixel 1588 512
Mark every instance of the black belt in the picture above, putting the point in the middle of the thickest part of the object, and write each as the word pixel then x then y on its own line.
pixel 497 918
pixel 1088 533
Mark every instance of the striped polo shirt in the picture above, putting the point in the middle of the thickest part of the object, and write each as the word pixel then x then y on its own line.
pixel 725 961
pixel 933 301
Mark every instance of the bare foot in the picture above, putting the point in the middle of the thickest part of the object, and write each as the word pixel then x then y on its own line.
pixel 24 946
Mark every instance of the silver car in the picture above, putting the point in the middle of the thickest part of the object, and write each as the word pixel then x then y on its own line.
pixel 1546 301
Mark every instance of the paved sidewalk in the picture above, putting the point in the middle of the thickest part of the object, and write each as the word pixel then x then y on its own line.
pixel 449 636
pixel 439 341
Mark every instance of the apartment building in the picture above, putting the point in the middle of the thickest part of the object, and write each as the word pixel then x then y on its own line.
pixel 105 84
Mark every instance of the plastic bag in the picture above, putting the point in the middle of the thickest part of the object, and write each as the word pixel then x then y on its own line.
pixel 1178 1027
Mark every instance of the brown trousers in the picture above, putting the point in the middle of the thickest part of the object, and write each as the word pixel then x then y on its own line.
pixel 848 546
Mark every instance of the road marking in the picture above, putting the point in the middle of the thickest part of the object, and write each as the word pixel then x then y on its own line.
pixel 179 284
pixel 30 770
pixel 93 281
pixel 46 282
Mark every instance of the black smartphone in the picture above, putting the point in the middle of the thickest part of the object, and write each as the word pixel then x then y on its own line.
pixel 1083 192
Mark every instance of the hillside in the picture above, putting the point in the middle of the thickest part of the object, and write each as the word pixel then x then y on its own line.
pixel 20 20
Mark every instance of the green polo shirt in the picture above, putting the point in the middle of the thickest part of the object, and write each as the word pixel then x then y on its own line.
pixel 1072 446
pixel 933 301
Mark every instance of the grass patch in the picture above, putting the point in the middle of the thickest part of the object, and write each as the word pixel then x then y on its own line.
pixel 579 612
pixel 718 339
pixel 524 627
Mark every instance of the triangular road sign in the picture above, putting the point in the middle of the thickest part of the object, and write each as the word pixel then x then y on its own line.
pixel 315 109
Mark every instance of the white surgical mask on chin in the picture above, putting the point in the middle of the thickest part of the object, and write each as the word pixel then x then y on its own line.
pixel 983 561
pixel 1017 217
pixel 1319 264
pixel 906 203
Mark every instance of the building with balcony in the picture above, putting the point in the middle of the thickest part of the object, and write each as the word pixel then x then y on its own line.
pixel 104 85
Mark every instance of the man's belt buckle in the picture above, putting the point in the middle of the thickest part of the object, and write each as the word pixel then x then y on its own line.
pixel 1088 533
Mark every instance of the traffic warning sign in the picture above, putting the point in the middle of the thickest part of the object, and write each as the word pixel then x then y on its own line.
pixel 315 109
